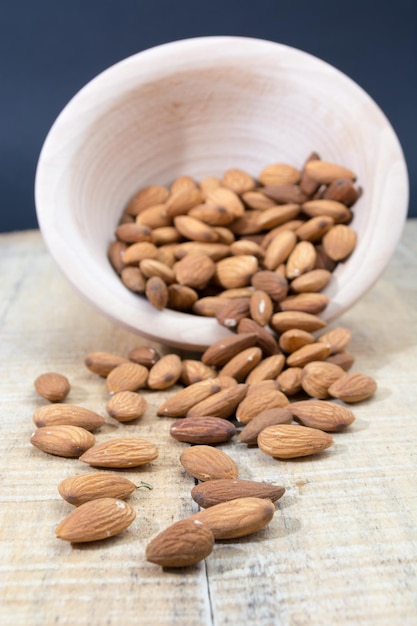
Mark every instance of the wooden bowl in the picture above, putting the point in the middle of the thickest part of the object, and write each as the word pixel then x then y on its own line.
pixel 199 107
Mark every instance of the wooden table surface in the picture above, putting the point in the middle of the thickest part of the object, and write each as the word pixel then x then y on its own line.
pixel 342 546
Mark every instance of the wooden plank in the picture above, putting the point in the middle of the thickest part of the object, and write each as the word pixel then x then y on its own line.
pixel 342 547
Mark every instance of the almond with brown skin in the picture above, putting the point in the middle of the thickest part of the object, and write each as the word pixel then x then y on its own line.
pixel 220 196
pixel 85 487
pixel 181 297
pixel 267 417
pixel 313 303
pixel 220 404
pixel 318 376
pixel 288 441
pixel 236 271
pixel 301 260
pixel 153 267
pixel 286 320
pixel 183 182
pixel 247 246
pixel 327 416
pixel 215 251
pixel 236 518
pixel 194 229
pixel 202 430
pixel 320 208
pixel 294 339
pixel 194 270
pixel 339 242
pixel 182 544
pixel 312 352
pixel 193 370
pixel 254 403
pixel 289 381
pixel 96 520
pixel 272 283
pixel 240 365
pixel 154 216
pixel 102 363
pixel 115 252
pixel 264 338
pixel 133 279
pixel 276 216
pixel 165 373
pixel 315 280
pixel 279 249
pixel 52 386
pixel 279 174
pixel 267 369
pixel 238 180
pixel 325 172
pixel 261 307
pixel 127 377
pixel 343 359
pixel 138 251
pixel 156 292
pixel 181 201
pixel 208 463
pixel 354 387
pixel 285 193
pixel 144 355
pixel 181 402
pixel 121 452
pixel 63 440
pixel 147 197
pixel 212 214
pixel 232 311
pixel 133 233
pixel 125 406
pixel 337 339
pixel 165 235
pixel 214 492
pixel 222 350
pixel 314 228
pixel 257 200
pixel 53 414
pixel 343 190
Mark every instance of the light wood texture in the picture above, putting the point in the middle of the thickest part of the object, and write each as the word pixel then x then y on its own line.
pixel 200 107
pixel 342 547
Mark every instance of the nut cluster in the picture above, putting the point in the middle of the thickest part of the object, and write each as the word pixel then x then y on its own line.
pixel 255 254
pixel 238 246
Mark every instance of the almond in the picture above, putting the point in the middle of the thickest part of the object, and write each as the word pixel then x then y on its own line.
pixel 275 216
pixel 343 359
pixel 294 339
pixel 236 271
pixel 315 280
pixel 156 292
pixel 153 267
pixel 214 492
pixel 133 279
pixel 279 249
pixel 325 172
pixel 279 174
pixel 214 251
pixel 268 368
pixel 321 208
pixel 53 414
pixel 240 365
pixel 285 193
pixel 286 320
pixel 52 386
pixel 138 251
pixel 257 200
pixel 301 260
pixel 154 216
pixel 63 440
pixel 220 196
pixel 343 190
pixel 193 371
pixel 220 404
pixel 238 181
pixel 247 246
pixel 84 487
pixel 314 228
pixel 202 430
pixel 317 376
pixel 165 235
pixel 178 404
pixel 272 283
pixel 96 520
pixel 194 229
pixel 181 201
pixel 267 417
pixel 207 463
pixel 264 338
pixel 287 441
pixel 115 252
pixel 212 214
pixel 165 373
pixel 289 381
pixel 353 387
pixel 308 302
pixel 236 518
pixel 182 544
pixel 122 452
pixel 222 350
pixel 339 242
pixel 327 416
pixel 125 406
pixel 147 197
pixel 144 356
pixel 181 183
pixel 254 403
pixel 311 352
pixel 126 377
pixel 194 270
pixel 181 297
pixel 261 307
pixel 337 339
pixel 102 363
pixel 232 311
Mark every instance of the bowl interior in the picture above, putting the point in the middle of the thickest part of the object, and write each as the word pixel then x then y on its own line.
pixel 199 107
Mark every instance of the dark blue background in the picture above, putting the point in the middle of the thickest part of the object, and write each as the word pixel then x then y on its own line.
pixel 50 48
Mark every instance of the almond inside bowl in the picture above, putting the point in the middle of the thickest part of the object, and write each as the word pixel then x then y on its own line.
pixel 199 107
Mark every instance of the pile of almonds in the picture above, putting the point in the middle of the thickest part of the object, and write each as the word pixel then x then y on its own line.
pixel 255 254
pixel 239 247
